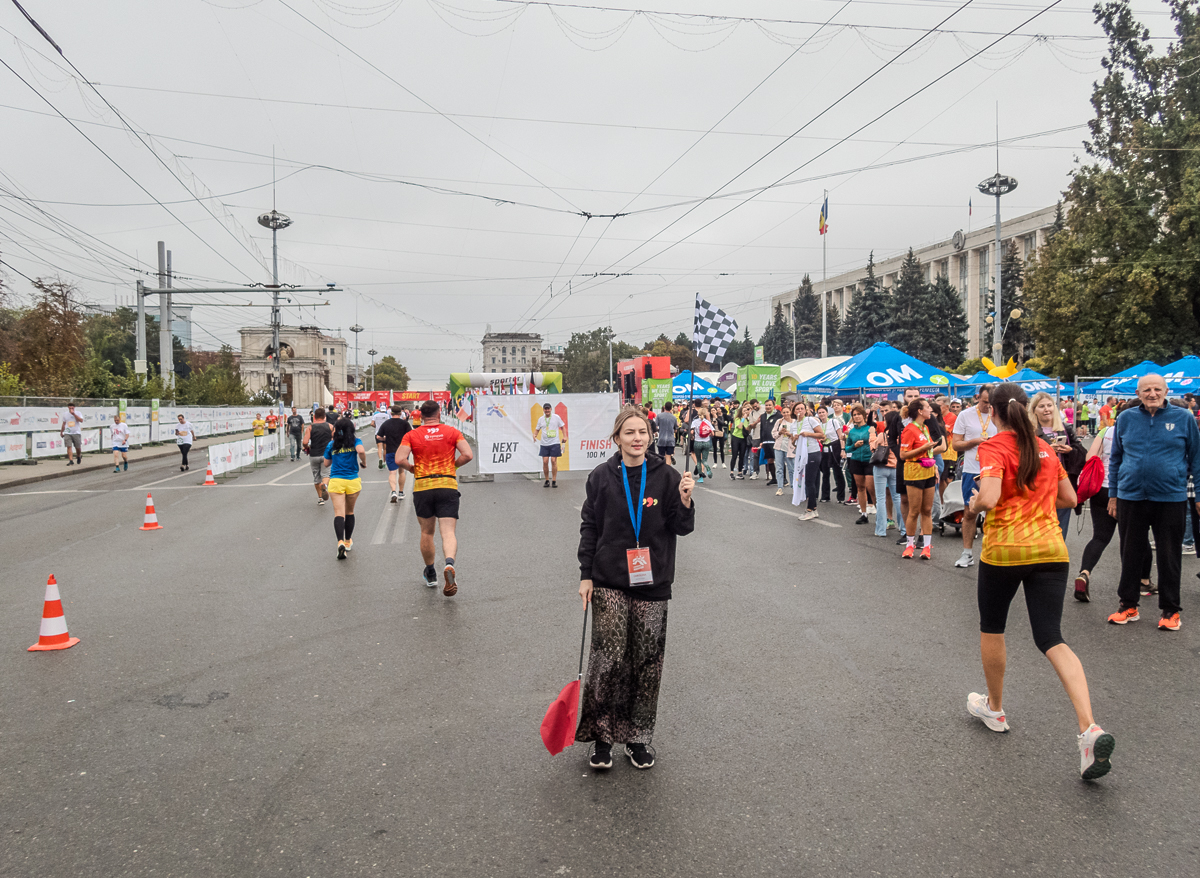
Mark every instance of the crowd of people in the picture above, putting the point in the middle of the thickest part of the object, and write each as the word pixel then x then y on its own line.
pixel 1000 461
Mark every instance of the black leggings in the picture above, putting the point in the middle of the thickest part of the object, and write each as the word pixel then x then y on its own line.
pixel 737 452
pixel 1045 588
pixel 184 449
pixel 718 449
pixel 812 479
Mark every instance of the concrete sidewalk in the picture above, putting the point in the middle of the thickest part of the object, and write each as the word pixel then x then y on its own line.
pixel 15 475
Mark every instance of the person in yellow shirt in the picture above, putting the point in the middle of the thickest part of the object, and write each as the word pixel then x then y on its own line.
pixel 259 424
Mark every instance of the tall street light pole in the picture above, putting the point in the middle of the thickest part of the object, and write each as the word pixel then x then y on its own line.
pixel 356 329
pixel 371 353
pixel 275 221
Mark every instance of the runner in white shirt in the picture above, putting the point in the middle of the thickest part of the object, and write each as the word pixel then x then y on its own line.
pixel 973 427
pixel 120 443
pixel 71 431
pixel 185 435
pixel 550 432
pixel 378 420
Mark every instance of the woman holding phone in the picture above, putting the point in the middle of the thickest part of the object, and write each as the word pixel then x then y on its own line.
pixel 917 448
pixel 1049 427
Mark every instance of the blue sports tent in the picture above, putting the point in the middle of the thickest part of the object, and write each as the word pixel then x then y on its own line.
pixel 685 385
pixel 978 379
pixel 880 369
pixel 1106 385
pixel 1183 376
pixel 1032 382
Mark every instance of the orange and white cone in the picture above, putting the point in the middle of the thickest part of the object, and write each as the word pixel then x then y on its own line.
pixel 209 481
pixel 53 634
pixel 151 521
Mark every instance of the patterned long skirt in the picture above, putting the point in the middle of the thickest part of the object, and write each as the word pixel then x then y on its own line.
pixel 620 693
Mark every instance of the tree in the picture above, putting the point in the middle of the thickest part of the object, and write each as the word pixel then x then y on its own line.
pixel 912 311
pixel 806 312
pixel 683 340
pixel 949 344
pixel 776 339
pixel 219 383
pixel 833 330
pixel 1121 281
pixel 680 355
pixel 1018 339
pixel 388 374
pixel 867 317
pixel 586 370
pixel 10 382
pixel 51 340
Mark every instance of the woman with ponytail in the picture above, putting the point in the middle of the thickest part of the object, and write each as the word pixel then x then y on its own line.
pixel 917 448
pixel 344 482
pixel 1021 483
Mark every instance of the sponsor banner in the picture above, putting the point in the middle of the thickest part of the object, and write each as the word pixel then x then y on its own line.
pixel 12 446
pixel 656 391
pixel 361 399
pixel 506 425
pixel 49 445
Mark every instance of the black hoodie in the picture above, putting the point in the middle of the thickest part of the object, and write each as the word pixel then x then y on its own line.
pixel 606 531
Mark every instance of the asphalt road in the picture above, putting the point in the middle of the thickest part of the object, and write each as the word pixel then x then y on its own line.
pixel 242 704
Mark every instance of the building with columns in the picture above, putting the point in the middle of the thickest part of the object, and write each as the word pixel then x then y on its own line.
pixel 512 352
pixel 966 258
pixel 311 362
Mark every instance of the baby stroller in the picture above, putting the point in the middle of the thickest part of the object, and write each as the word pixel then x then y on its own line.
pixel 952 508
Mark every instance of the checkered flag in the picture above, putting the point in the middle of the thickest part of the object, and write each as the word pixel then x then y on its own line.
pixel 712 331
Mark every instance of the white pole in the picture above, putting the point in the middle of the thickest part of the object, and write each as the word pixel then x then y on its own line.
pixel 824 270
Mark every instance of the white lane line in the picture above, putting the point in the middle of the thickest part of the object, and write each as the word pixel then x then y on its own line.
pixel 167 479
pixel 65 491
pixel 381 529
pixel 764 506
pixel 401 532
pixel 278 479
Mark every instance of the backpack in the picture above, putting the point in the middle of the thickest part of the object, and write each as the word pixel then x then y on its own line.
pixel 1091 479
pixel 703 431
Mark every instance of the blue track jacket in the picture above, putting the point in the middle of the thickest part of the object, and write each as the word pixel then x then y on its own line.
pixel 1153 455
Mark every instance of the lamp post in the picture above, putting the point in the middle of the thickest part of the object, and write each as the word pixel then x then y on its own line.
pixel 371 353
pixel 998 184
pixel 275 221
pixel 356 329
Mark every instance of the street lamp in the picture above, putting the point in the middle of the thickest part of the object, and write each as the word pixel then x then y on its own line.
pixel 275 221
pixel 356 329
pixel 998 184
pixel 371 353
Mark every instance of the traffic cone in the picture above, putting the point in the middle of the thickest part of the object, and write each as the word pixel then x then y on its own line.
pixel 151 521
pixel 209 481
pixel 53 634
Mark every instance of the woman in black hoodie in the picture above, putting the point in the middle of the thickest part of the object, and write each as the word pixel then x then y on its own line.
pixel 635 508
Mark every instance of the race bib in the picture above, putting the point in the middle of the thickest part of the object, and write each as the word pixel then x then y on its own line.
pixel 638 561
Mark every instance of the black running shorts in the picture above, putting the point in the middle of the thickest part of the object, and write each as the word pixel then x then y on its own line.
pixel 436 503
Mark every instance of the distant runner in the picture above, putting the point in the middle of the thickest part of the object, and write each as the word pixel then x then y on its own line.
pixel 295 430
pixel 550 432
pixel 345 456
pixel 120 442
pixel 316 436
pixel 378 420
pixel 435 486
pixel 71 430
pixel 388 435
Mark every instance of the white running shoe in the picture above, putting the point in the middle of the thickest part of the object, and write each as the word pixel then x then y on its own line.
pixel 753 477
pixel 779 493
pixel 395 497
pixel 870 510
pixel 808 515
pixel 1095 746
pixel 977 706
pixel 966 559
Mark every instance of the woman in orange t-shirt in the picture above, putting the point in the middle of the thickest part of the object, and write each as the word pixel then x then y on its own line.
pixel 917 448
pixel 1021 483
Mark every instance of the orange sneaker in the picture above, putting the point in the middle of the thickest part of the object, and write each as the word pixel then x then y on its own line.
pixel 1169 622
pixel 927 553
pixel 908 552
pixel 1123 615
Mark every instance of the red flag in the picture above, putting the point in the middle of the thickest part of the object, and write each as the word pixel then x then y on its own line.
pixel 558 726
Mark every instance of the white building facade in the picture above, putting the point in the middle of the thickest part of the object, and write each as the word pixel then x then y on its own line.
pixel 967 259
pixel 311 362
pixel 508 352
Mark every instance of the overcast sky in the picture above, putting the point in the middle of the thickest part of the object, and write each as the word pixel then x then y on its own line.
pixel 439 158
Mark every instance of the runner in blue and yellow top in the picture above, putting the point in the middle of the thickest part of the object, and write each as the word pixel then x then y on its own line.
pixel 344 456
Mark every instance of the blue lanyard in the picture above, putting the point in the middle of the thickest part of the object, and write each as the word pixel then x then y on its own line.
pixel 635 521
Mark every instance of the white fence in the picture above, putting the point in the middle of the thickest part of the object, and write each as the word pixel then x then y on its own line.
pixel 32 431
pixel 229 456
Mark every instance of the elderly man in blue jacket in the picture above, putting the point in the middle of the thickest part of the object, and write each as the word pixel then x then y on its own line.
pixel 1156 446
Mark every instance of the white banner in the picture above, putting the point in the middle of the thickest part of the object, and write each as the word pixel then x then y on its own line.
pixel 12 446
pixel 48 445
pixel 506 423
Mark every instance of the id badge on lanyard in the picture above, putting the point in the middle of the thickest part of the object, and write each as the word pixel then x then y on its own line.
pixel 637 560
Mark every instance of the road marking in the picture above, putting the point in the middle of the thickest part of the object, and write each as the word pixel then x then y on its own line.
pixel 401 532
pixel 765 506
pixel 160 481
pixel 276 480
pixel 381 529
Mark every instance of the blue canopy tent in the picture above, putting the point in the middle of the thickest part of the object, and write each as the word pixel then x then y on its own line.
pixel 1106 385
pixel 977 380
pixel 1032 381
pixel 880 369
pixel 1183 376
pixel 685 385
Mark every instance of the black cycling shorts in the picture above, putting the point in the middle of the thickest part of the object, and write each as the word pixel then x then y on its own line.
pixel 922 484
pixel 860 467
pixel 436 503
pixel 1045 588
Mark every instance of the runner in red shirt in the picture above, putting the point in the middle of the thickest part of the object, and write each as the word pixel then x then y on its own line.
pixel 435 486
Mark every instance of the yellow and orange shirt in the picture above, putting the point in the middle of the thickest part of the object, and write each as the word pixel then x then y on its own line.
pixel 1023 528
pixel 914 436
pixel 433 449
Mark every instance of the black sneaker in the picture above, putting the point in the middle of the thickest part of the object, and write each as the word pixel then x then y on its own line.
pixel 862 519
pixel 601 758
pixel 429 577
pixel 639 755
pixel 554 484
pixel 903 539
pixel 547 484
